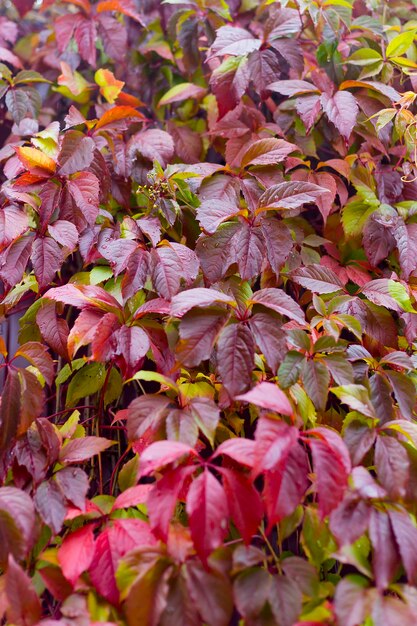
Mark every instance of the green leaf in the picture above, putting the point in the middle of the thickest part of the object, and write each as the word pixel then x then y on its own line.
pixel 154 377
pixel 86 382
pixel 356 397
pixel 400 44
pixel 365 56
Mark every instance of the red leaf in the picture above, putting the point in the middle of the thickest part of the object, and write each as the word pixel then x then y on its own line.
pixel 208 514
pixel 163 498
pixel 153 144
pixel 405 533
pixel 385 558
pixel 244 502
pixel 317 279
pixel 186 300
pixel 274 440
pixel 239 449
pixel 84 188
pixel 132 496
pixel 268 396
pixel 54 330
pixel 162 453
pixel 290 195
pixel 37 354
pixel 13 223
pixel 17 523
pixel 65 233
pixel 111 545
pixel 279 301
pixel 76 553
pixel 47 258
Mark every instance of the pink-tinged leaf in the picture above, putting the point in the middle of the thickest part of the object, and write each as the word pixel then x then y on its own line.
pixel 84 189
pixel 74 484
pixel 50 503
pixel 17 524
pixel 146 413
pixel 351 601
pixel 229 82
pixel 309 109
pixel 248 249
pixel 163 498
pixel 122 536
pixel 211 213
pixel 405 533
pixel 342 110
pixel 208 514
pixel 332 466
pixel 244 502
pixel 405 236
pixel 274 440
pixel 188 143
pixel 278 242
pixel 163 453
pixel 14 260
pixel 285 599
pixel 37 354
pixel 239 449
pixel 279 301
pixel 387 293
pixel 233 41
pixel 211 593
pixel 350 520
pixel 132 344
pixel 54 330
pixel 118 252
pixel 290 195
pixel 23 604
pixel 392 465
pixel 292 87
pixel 235 357
pixel 385 557
pixel 186 300
pixel 285 486
pixel 169 264
pixel 152 144
pixel 264 65
pixel 78 450
pixel 181 92
pixel 157 305
pixel 76 553
pixel 84 330
pixel 82 296
pixel 269 337
pixel 86 37
pixel 267 152
pixel 198 331
pixel 214 251
pixel 13 223
pixel 317 279
pixel 126 7
pixel 268 396
pixel 47 258
pixel 76 153
pixel 132 497
pixel 65 233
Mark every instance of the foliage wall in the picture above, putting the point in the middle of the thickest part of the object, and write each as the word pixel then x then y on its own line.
pixel 208 225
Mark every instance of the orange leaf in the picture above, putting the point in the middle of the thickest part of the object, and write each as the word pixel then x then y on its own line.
pixel 128 100
pixel 122 6
pixel 116 114
pixel 35 161
pixel 110 87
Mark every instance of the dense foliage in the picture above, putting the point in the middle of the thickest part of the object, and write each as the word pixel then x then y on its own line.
pixel 208 228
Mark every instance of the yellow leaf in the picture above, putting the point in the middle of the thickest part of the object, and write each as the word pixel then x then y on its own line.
pixel 110 87
pixel 36 161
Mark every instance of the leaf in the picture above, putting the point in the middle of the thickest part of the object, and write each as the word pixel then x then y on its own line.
pixel 110 87
pixel 400 44
pixel 332 466
pixel 83 296
pixel 24 607
pixel 180 92
pixel 351 600
pixel 76 553
pixel 279 301
pixel 47 258
pixel 163 499
pixel 318 279
pixel 385 552
pixel 211 213
pixel 235 358
pixel 152 144
pixel 117 539
pixel 388 293
pixel 274 441
pixel 267 152
pixel 146 413
pixel 268 396
pixel 116 114
pixel 290 195
pixel 239 449
pixel 405 533
pixel 78 450
pixel 126 7
pixel 13 223
pixel 86 382
pixel 186 300
pixel 36 162
pixel 292 87
pixel 374 85
pixel 278 240
pixel 342 110
pixel 65 233
pixel 356 397
pixel 162 453
pixel 392 466
pixel 316 379
pixel 233 41
pixel 244 503
pixel 50 504
pixel 208 514
pixel 17 524
pixel 76 153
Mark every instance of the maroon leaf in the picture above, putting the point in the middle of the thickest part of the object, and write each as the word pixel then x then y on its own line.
pixel 84 188
pixel 278 241
pixel 317 279
pixel 385 556
pixel 198 332
pixel 65 233
pixel 76 153
pixel 54 330
pixel 290 195
pixel 17 523
pixel 47 258
pixel 235 358
pixel 153 144
pixel 279 301
pixel 50 504
pixel 248 250
pixel 392 466
pixel 23 604
pixel 183 302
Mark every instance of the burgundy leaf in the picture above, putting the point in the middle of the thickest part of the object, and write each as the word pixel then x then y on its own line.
pixel 235 358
